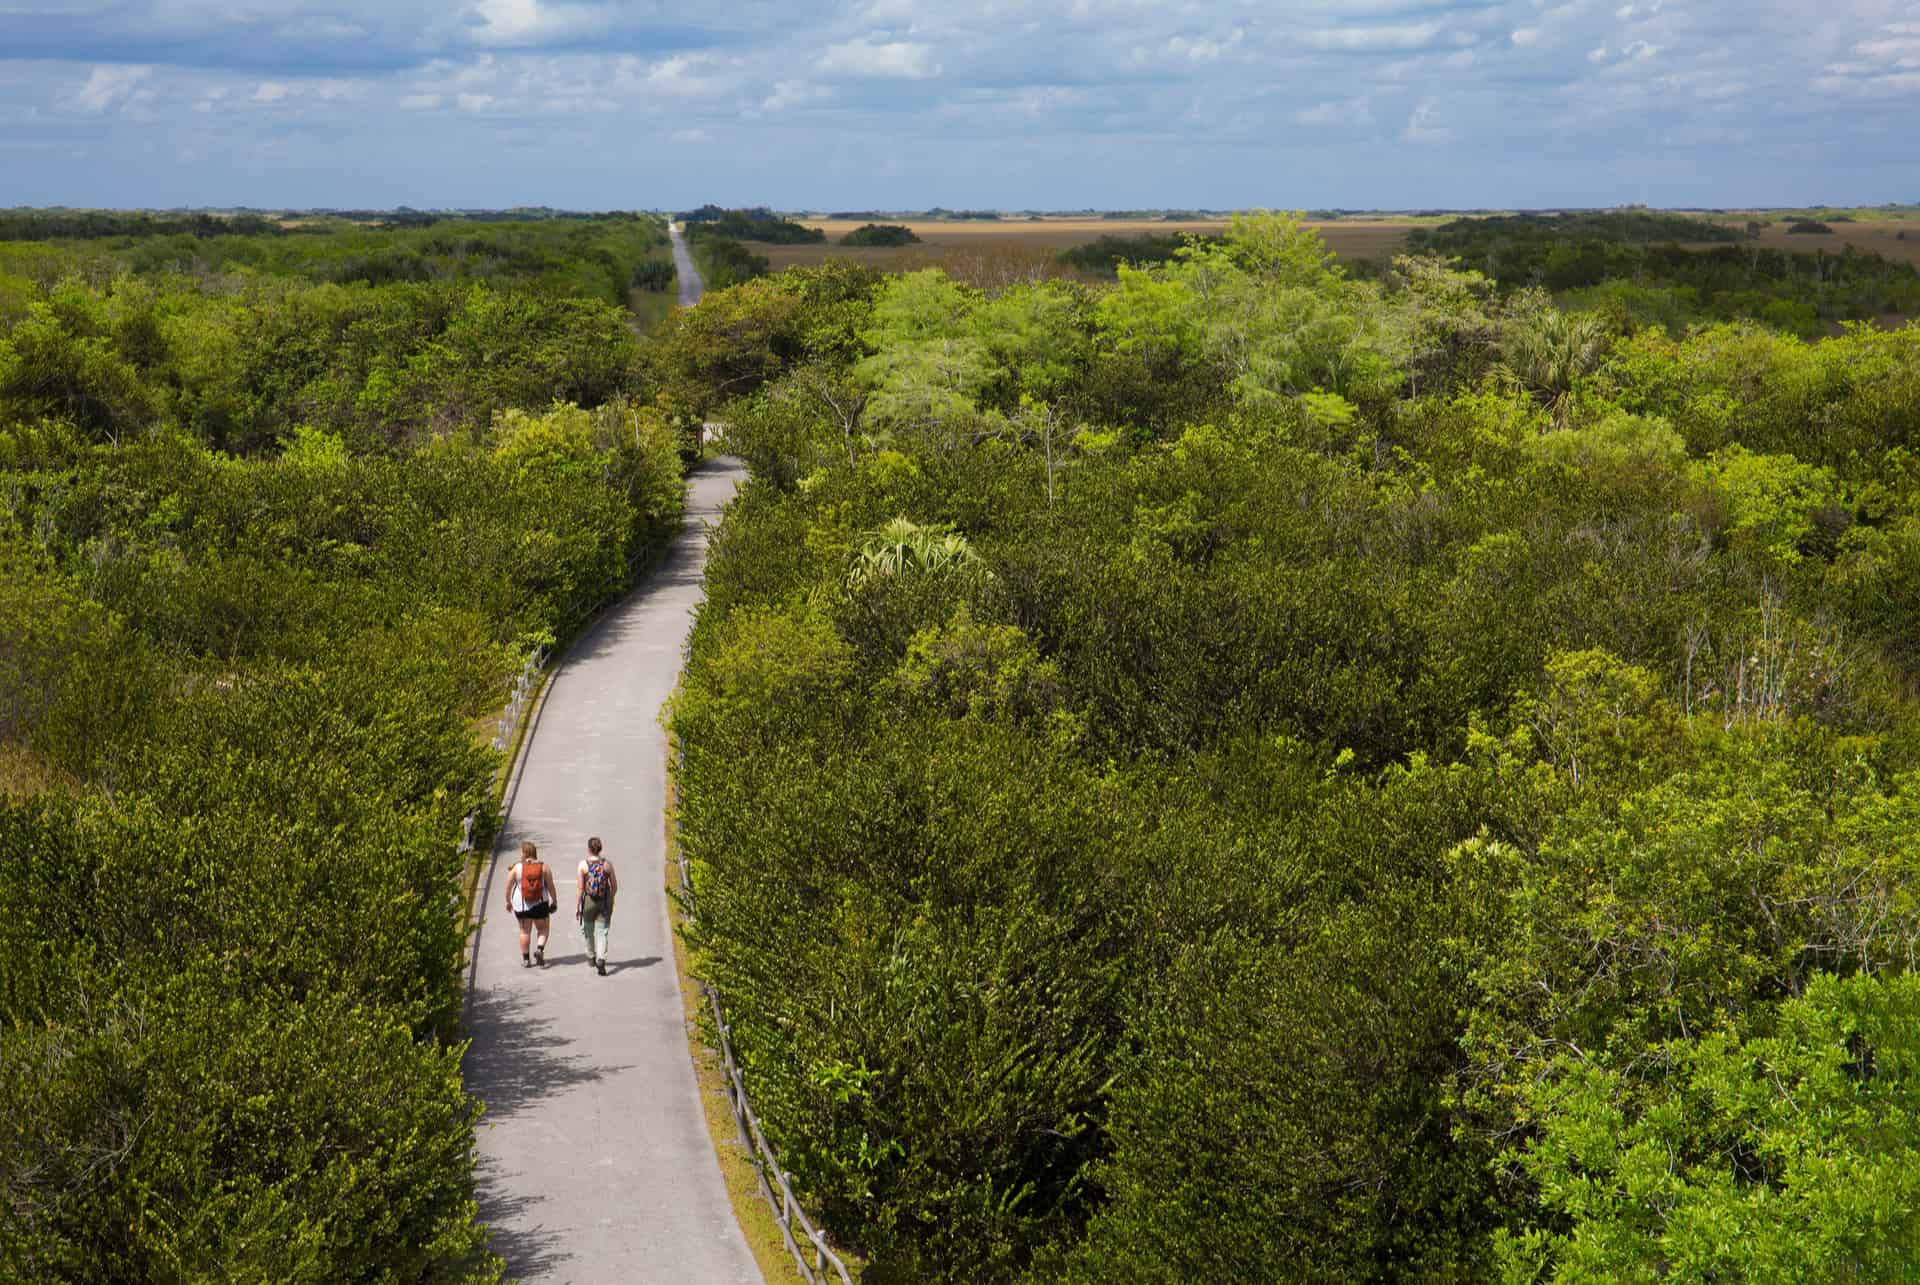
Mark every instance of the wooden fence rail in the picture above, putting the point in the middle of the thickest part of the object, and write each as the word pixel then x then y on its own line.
pixel 794 1224
pixel 524 688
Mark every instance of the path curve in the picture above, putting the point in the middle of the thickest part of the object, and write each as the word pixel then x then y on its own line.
pixel 691 286
pixel 594 1158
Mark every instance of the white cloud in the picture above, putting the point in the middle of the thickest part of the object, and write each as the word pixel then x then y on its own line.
pixel 873 59
pixel 481 71
pixel 1398 39
pixel 1886 65
pixel 1344 113
pixel 109 87
pixel 1422 128
pixel 794 93
pixel 316 28
pixel 1638 51
pixel 681 77
pixel 509 19
pixel 1705 136
pixel 531 22
pixel 1895 86
pixel 1203 50
pixel 1263 85
pixel 1902 51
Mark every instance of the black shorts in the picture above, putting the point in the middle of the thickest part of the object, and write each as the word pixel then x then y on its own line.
pixel 541 911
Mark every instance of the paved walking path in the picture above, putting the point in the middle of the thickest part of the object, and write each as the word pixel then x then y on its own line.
pixel 691 286
pixel 594 1158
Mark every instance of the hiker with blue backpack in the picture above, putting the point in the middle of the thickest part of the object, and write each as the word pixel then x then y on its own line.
pixel 594 907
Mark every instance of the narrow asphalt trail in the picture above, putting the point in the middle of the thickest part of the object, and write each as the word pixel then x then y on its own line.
pixel 594 1158
pixel 691 286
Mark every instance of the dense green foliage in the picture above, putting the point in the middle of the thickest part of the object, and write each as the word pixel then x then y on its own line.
pixel 760 224
pixel 1632 266
pixel 1242 773
pixel 255 598
pixel 725 262
pixel 241 340
pixel 1641 227
pixel 1107 253
pixel 881 234
pixel 600 258
pixel 1252 774
pixel 52 225
pixel 1796 292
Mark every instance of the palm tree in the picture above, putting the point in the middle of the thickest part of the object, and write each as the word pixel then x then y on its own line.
pixel 1549 352
pixel 901 546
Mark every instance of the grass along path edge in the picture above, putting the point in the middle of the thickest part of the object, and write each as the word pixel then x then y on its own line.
pixel 737 1168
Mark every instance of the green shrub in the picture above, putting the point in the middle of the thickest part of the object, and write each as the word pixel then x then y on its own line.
pixel 881 234
pixel 244 691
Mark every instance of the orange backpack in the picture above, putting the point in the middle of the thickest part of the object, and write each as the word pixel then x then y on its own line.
pixel 533 882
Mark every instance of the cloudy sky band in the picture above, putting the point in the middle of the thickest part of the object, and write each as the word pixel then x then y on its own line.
pixel 907 103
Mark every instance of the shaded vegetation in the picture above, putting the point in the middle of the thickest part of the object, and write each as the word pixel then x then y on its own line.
pixel 82 225
pixel 1105 254
pixel 725 262
pixel 1467 236
pixel 880 234
pixel 1611 262
pixel 760 224
pixel 268 551
pixel 599 257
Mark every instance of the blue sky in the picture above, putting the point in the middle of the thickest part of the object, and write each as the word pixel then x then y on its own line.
pixel 914 103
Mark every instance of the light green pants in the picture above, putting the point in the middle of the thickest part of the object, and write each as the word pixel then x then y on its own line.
pixel 595 920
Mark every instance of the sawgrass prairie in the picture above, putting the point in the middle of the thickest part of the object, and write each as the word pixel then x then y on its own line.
pixel 1880 237
pixel 942 240
pixel 958 242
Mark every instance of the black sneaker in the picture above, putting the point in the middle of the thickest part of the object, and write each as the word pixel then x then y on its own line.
pixel 540 956
pixel 525 962
pixel 603 968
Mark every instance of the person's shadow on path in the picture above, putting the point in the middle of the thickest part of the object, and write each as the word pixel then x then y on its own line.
pixel 613 965
pixel 514 1060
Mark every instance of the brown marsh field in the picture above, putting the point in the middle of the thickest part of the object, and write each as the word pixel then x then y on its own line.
pixel 975 243
pixel 945 241
pixel 1882 237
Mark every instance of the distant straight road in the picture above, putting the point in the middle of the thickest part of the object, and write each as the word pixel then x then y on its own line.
pixel 691 286
pixel 594 1159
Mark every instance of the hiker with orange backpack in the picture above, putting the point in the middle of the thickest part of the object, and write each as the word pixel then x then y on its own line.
pixel 593 909
pixel 531 898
